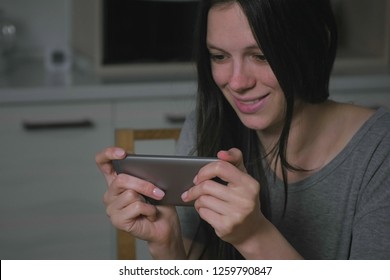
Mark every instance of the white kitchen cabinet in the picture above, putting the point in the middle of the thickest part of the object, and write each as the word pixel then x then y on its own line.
pixel 152 113
pixel 51 191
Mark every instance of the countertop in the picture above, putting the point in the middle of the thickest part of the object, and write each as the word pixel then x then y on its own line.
pixel 31 83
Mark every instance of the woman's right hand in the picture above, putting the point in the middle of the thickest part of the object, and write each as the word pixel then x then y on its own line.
pixel 128 210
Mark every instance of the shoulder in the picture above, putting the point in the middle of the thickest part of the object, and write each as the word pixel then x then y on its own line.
pixel 352 121
pixel 365 143
pixel 378 126
pixel 187 141
pixel 370 154
pixel 372 160
pixel 382 118
pixel 363 114
pixel 373 136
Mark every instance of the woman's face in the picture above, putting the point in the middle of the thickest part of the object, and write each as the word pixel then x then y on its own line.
pixel 241 71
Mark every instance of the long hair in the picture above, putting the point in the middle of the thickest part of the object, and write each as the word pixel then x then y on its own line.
pixel 299 41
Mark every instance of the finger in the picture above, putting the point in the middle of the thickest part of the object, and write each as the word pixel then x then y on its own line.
pixel 115 203
pixel 210 216
pixel 138 209
pixel 127 217
pixel 219 223
pixel 234 156
pixel 124 182
pixel 103 161
pixel 206 188
pixel 220 169
pixel 108 154
pixel 212 203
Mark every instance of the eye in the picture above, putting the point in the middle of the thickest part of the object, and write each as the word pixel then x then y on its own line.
pixel 216 57
pixel 260 57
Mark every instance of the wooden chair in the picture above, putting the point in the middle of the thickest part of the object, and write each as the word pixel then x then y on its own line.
pixel 126 138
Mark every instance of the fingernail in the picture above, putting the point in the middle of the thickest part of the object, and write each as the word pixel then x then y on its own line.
pixel 119 153
pixel 184 195
pixel 195 179
pixel 158 193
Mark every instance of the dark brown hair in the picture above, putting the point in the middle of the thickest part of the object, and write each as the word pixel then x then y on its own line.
pixel 299 41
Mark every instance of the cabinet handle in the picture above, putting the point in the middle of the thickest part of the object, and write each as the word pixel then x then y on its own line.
pixel 47 125
pixel 175 118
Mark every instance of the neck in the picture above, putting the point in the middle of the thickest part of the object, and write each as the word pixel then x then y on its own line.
pixel 304 136
pixel 270 136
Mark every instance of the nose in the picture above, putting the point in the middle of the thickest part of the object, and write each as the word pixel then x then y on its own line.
pixel 242 78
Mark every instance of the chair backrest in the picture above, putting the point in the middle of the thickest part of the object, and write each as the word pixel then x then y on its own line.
pixel 126 138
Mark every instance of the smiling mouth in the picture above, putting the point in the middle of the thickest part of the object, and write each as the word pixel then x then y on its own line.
pixel 251 106
pixel 250 102
pixel 253 101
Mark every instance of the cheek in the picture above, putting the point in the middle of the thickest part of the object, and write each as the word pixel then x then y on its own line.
pixel 220 75
pixel 269 79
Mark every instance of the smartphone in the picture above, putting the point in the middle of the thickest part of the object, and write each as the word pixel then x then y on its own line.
pixel 172 174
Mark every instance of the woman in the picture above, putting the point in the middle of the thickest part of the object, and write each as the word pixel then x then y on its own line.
pixel 304 177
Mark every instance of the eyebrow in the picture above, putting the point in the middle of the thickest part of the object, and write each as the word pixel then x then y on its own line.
pixel 250 47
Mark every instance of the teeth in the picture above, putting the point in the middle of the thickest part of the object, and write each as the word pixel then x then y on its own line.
pixel 250 102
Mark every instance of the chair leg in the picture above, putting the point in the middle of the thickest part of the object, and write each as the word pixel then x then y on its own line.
pixel 125 246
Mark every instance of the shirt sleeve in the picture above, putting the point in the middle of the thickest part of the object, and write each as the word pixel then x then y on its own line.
pixel 371 230
pixel 187 139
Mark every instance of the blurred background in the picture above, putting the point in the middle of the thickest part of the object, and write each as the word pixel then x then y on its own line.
pixel 73 71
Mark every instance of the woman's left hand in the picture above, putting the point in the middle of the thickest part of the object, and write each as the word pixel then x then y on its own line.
pixel 233 210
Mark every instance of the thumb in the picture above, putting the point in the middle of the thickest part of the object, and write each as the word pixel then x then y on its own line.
pixel 234 156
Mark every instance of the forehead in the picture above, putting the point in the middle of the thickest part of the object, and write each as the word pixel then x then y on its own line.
pixel 227 25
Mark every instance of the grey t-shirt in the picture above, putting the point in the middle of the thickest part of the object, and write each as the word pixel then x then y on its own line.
pixel 340 212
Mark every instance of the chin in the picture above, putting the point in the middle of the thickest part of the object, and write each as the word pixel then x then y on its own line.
pixel 254 122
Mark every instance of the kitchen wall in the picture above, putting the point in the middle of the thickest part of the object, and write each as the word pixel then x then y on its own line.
pixel 41 24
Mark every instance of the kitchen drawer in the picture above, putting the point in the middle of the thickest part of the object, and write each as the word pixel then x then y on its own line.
pixel 51 191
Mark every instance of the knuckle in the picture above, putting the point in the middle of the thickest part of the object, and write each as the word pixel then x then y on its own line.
pixel 220 166
pixel 239 152
pixel 137 206
pixel 202 201
pixel 129 195
pixel 203 189
pixel 106 198
pixel 108 211
pixel 253 186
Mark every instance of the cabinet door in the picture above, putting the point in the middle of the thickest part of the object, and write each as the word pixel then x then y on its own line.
pixel 51 191
pixel 152 113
